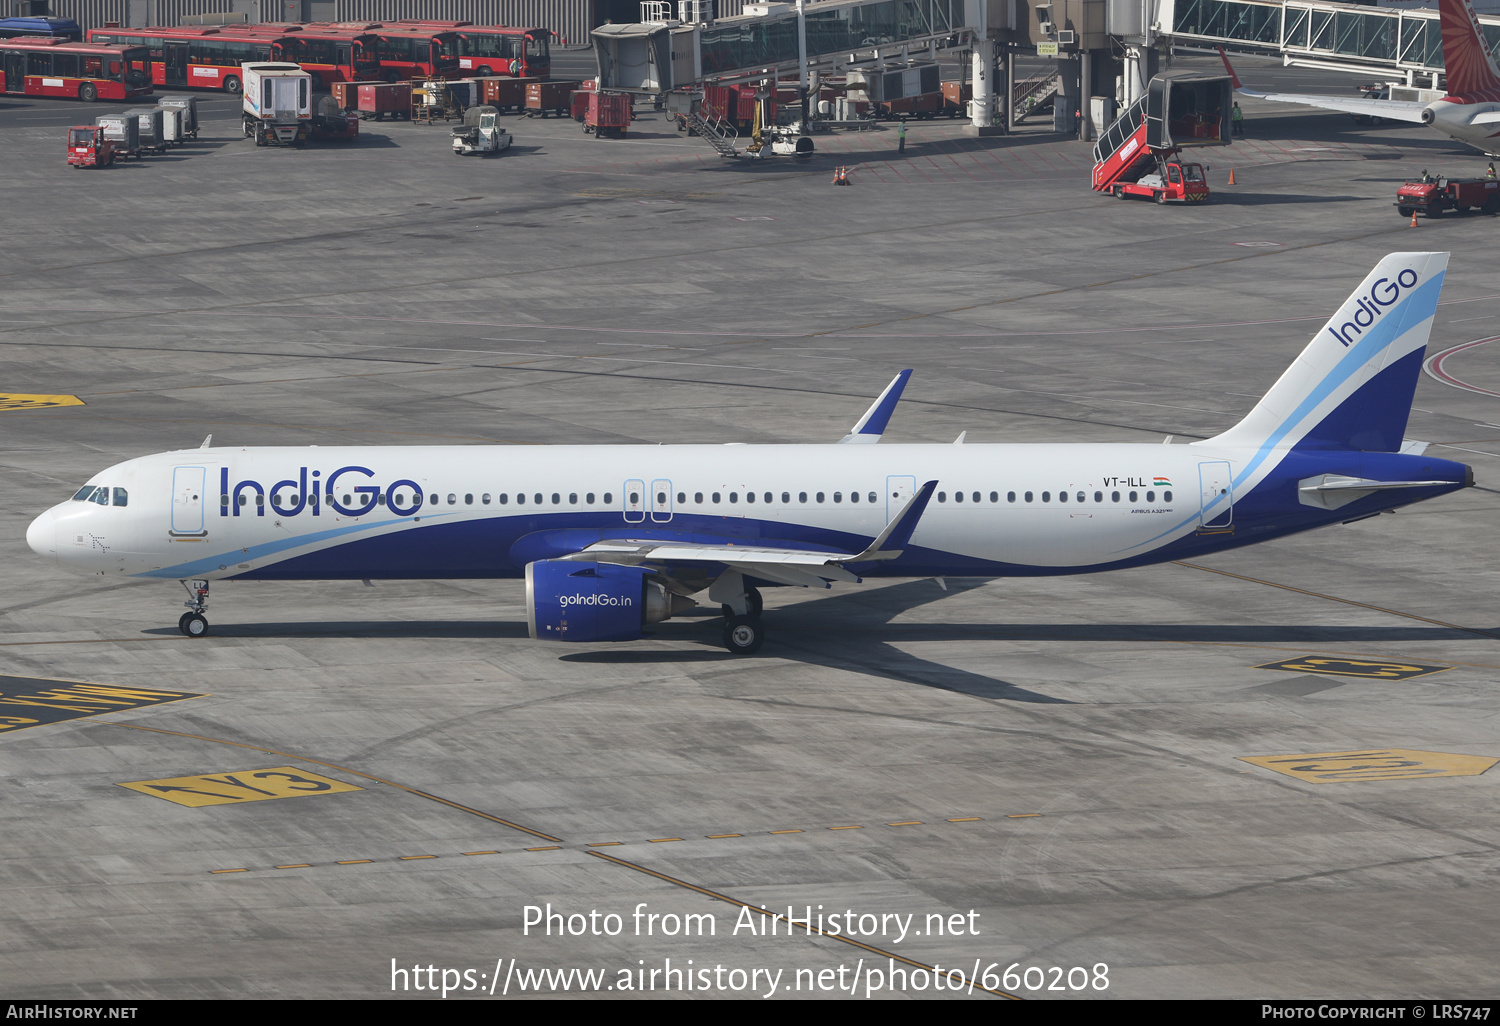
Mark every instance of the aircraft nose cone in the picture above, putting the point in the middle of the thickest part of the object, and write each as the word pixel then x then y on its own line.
pixel 42 535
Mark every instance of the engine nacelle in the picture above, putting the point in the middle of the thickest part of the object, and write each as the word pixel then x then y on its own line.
pixel 576 601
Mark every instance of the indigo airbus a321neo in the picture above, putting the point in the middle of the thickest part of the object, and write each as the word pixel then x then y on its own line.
pixel 612 538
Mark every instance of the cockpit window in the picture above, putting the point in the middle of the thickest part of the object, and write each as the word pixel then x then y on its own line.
pixel 84 493
pixel 122 498
pixel 101 495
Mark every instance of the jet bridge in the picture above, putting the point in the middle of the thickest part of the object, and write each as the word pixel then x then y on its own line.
pixel 1345 37
pixel 664 53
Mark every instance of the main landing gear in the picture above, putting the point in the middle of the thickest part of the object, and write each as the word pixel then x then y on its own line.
pixel 743 630
pixel 193 623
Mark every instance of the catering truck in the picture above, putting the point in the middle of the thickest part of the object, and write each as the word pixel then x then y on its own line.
pixel 277 103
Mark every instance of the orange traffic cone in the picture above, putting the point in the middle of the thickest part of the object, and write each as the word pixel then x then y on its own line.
pixel 1413 219
pixel 841 175
pixel 1231 177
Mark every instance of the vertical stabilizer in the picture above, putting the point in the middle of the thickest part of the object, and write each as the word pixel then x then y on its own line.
pixel 1352 387
pixel 1467 62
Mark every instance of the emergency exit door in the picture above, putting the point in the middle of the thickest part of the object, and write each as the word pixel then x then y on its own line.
pixel 634 497
pixel 661 501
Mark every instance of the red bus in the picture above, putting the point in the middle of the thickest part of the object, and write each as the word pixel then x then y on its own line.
pixel 412 52
pixel 210 58
pixel 40 66
pixel 497 49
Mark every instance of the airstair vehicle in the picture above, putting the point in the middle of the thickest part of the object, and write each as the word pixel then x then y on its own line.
pixel 1139 155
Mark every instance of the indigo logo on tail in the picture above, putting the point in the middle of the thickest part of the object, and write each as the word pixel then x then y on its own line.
pixel 1383 293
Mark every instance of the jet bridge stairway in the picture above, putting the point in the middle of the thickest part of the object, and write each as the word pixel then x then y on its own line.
pixel 718 132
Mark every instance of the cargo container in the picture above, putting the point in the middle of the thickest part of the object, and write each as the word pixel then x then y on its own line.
pixel 124 134
pixel 579 107
pixel 171 125
pixel 544 98
pixel 189 107
pixel 956 97
pixel 381 100
pixel 505 94
pixel 606 114
pixel 152 135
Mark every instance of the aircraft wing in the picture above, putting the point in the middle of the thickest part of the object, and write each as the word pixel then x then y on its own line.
pixel 807 568
pixel 871 426
pixel 1396 110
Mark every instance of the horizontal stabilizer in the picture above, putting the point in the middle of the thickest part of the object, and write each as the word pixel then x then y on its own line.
pixel 1334 490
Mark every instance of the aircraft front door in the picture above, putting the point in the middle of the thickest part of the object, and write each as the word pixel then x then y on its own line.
pixel 898 492
pixel 1218 494
pixel 187 501
pixel 175 63
pixel 634 496
pixel 661 501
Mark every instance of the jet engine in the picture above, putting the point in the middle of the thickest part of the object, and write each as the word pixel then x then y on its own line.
pixel 576 601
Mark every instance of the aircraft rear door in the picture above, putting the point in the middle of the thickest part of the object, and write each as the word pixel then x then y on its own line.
pixel 187 502
pixel 1218 494
pixel 635 501
pixel 898 492
pixel 661 501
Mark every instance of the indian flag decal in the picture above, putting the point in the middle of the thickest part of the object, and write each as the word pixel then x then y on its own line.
pixel 1162 482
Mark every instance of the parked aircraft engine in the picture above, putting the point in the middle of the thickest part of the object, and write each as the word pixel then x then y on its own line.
pixel 576 601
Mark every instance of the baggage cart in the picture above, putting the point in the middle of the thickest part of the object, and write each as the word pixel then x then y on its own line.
pixel 123 133
pixel 171 125
pixel 152 137
pixel 380 100
pixel 505 94
pixel 189 107
pixel 550 97
pixel 607 114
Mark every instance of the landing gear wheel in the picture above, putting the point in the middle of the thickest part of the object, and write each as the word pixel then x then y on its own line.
pixel 743 635
pixel 195 625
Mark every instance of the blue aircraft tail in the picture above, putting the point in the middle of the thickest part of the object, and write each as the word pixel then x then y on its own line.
pixel 1352 387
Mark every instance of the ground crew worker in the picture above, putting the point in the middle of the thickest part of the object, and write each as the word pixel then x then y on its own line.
pixel 1490 174
pixel 1237 116
pixel 901 137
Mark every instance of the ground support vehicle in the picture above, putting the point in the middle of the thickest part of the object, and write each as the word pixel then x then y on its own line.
pixel 606 114
pixel 923 105
pixel 375 100
pixel 956 97
pixel 1173 181
pixel 505 94
pixel 1140 153
pixel 480 133
pixel 43 66
pixel 172 132
pixel 123 133
pixel 578 106
pixel 153 132
pixel 189 107
pixel 1433 194
pixel 553 97
pixel 87 147
pixel 277 105
pixel 330 122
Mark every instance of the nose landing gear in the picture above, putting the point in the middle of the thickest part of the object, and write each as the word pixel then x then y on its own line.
pixel 193 623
